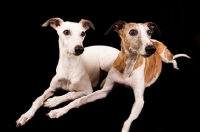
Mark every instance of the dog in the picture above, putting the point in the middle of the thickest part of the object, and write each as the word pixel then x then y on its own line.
pixel 138 65
pixel 165 54
pixel 78 70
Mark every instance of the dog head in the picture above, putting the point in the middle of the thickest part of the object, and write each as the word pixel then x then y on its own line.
pixel 71 34
pixel 136 36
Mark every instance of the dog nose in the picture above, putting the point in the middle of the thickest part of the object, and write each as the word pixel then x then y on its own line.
pixel 150 49
pixel 79 50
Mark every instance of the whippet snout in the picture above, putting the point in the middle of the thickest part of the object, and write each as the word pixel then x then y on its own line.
pixel 150 49
pixel 79 50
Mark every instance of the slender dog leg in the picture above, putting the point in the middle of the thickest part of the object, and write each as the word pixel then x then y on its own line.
pixel 83 100
pixel 52 102
pixel 136 109
pixel 38 103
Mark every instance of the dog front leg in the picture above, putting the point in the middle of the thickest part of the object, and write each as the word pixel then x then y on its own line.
pixel 52 102
pixel 37 103
pixel 83 100
pixel 136 109
pixel 77 89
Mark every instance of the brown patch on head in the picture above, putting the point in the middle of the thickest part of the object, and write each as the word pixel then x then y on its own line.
pixel 130 42
pixel 153 66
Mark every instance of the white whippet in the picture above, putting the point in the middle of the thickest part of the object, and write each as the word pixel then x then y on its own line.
pixel 78 69
pixel 138 65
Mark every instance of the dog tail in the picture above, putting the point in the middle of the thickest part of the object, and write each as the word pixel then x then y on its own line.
pixel 180 55
pixel 176 56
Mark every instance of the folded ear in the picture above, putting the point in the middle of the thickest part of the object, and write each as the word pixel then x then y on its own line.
pixel 154 28
pixel 54 22
pixel 87 24
pixel 115 27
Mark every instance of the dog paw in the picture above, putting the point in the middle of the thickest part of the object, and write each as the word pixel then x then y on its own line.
pixel 22 120
pixel 177 68
pixel 51 102
pixel 56 113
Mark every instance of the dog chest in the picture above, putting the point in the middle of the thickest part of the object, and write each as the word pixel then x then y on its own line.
pixel 130 77
pixel 153 66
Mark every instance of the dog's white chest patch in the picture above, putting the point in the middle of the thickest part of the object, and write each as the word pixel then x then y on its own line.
pixel 134 77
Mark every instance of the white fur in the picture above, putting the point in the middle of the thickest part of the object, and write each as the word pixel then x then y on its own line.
pixel 180 55
pixel 145 39
pixel 75 73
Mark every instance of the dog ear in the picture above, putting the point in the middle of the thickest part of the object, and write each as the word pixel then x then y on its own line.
pixel 87 24
pixel 154 28
pixel 115 27
pixel 54 22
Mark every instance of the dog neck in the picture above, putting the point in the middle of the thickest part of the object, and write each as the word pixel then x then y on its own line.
pixel 125 61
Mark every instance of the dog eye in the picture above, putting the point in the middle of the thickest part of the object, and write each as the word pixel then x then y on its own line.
pixel 83 34
pixel 133 32
pixel 66 32
pixel 149 32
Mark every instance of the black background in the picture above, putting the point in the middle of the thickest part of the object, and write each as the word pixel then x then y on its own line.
pixel 171 103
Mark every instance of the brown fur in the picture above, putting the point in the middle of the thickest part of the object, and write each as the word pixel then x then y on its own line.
pixel 126 42
pixel 119 63
pixel 160 47
pixel 168 54
pixel 153 64
pixel 139 62
pixel 153 67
